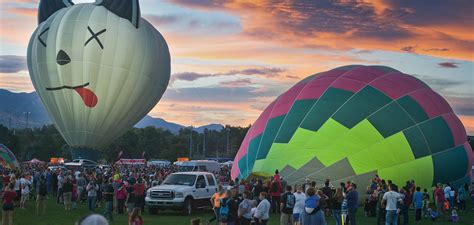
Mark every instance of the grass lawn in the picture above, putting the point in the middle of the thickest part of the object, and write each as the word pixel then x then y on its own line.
pixel 57 216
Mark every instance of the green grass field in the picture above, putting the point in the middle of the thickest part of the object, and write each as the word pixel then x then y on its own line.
pixel 57 216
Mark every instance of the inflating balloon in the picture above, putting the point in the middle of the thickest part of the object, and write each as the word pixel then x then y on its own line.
pixel 7 158
pixel 353 122
pixel 98 68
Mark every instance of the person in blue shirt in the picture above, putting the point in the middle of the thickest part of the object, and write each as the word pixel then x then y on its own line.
pixel 312 214
pixel 352 198
pixel 418 203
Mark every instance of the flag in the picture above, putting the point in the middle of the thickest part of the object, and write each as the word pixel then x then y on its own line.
pixel 143 155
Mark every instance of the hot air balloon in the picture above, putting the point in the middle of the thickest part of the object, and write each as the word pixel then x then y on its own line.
pixel 7 158
pixel 98 69
pixel 354 122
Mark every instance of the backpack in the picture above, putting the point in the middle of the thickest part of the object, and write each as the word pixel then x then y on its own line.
pixel 43 190
pixel 290 201
pixel 224 209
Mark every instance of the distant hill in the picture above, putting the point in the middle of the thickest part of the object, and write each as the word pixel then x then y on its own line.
pixel 13 108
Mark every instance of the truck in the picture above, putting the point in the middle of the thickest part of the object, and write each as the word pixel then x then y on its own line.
pixel 198 165
pixel 184 191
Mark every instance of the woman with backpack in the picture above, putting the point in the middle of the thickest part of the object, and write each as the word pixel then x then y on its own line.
pixel 312 214
pixel 227 214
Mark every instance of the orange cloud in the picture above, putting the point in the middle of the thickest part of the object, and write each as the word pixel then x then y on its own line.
pixel 468 122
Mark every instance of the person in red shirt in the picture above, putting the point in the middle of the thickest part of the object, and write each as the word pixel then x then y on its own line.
pixel 139 191
pixel 440 199
pixel 8 207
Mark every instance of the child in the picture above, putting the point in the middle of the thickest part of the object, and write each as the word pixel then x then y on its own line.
pixel 366 207
pixel 252 211
pixel 454 216
pixel 426 203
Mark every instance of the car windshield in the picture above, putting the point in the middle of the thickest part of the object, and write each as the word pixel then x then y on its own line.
pixel 180 179
pixel 186 168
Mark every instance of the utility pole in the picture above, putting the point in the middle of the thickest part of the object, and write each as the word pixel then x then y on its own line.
pixel 27 117
pixel 190 142
pixel 204 144
pixel 227 143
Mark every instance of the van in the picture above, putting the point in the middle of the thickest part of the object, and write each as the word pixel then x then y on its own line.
pixel 199 165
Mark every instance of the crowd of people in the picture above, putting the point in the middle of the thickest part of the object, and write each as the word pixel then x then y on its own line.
pixel 117 190
pixel 122 189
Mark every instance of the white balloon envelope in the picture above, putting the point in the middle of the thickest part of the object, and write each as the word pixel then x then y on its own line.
pixel 98 69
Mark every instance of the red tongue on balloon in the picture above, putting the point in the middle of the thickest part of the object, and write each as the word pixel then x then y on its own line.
pixel 89 98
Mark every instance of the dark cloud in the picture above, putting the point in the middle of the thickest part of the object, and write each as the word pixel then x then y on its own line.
pixel 462 105
pixel 410 49
pixel 268 72
pixel 236 83
pixel 436 12
pixel 12 63
pixel 162 19
pixel 190 76
pixel 437 50
pixel 292 77
pixel 448 65
pixel 215 94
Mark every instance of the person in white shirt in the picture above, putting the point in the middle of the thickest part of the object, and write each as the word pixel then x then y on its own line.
pixel 390 200
pixel 262 214
pixel 25 191
pixel 449 195
pixel 300 198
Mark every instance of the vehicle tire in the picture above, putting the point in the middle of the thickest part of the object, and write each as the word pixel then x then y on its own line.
pixel 188 206
pixel 152 210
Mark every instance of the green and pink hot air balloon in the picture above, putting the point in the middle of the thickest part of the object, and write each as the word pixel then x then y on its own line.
pixel 354 122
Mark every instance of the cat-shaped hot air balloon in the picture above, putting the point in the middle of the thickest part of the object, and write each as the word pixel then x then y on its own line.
pixel 98 69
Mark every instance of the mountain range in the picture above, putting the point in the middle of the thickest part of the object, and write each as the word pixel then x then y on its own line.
pixel 14 108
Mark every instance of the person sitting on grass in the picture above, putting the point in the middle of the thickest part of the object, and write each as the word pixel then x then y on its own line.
pixel 135 218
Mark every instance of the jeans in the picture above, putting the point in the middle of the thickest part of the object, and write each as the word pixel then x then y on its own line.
pixel 109 207
pixel 405 214
pixel 336 213
pixel 92 200
pixel 391 218
pixel 351 215
pixel 381 216
pixel 451 202
pixel 276 200
pixel 121 205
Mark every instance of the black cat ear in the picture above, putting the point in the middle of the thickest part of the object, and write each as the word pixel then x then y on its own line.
pixel 49 7
pixel 127 9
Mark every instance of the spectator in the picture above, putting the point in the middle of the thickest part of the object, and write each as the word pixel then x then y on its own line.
pixel 426 203
pixel 60 182
pixel 67 193
pixel 300 198
pixel 42 191
pixel 8 204
pixel 352 203
pixel 130 201
pixel 275 193
pixel 288 201
pixel 336 205
pixel 462 197
pixel 216 203
pixel 92 189
pixel 139 191
pixel 390 201
pixel 81 186
pixel 135 218
pixel 108 194
pixel 418 203
pixel 312 215
pixel 25 191
pixel 440 199
pixel 245 208
pixel 262 213
pixel 121 195
pixel 227 215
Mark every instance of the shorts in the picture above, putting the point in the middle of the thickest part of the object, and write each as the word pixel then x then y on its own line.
pixel 8 207
pixel 40 198
pixel 130 207
pixel 67 198
pixel 25 196
pixel 296 216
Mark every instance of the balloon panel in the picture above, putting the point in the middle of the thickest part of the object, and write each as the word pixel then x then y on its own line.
pixel 353 122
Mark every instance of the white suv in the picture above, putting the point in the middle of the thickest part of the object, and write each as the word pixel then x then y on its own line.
pixel 182 191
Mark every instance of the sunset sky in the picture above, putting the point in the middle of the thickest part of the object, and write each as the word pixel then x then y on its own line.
pixel 231 58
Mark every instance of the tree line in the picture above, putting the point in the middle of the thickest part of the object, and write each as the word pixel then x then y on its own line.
pixel 46 142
